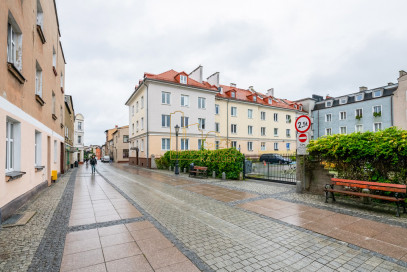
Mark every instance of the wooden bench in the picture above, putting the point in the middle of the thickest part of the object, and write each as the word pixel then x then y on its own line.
pixel 399 191
pixel 199 171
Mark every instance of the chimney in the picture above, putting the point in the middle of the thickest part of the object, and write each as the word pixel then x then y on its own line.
pixel 363 88
pixel 116 126
pixel 197 74
pixel 233 85
pixel 402 73
pixel 270 92
pixel 390 84
pixel 214 79
pixel 251 88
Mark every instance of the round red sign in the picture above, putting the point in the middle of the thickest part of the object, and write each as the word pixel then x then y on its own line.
pixel 302 138
pixel 302 124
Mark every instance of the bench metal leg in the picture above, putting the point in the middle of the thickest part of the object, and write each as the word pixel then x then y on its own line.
pixel 398 209
pixel 404 206
pixel 333 196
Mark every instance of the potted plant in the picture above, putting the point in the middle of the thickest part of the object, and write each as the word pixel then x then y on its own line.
pixel 358 117
pixel 377 114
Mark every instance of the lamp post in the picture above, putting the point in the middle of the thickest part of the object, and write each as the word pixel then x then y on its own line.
pixel 176 170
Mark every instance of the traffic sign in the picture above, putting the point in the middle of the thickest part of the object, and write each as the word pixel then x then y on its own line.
pixel 302 124
pixel 302 137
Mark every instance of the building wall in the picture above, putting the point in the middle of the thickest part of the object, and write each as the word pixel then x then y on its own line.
pixel 135 134
pixel 18 101
pixel 119 145
pixel 368 120
pixel 69 135
pixel 79 147
pixel 400 103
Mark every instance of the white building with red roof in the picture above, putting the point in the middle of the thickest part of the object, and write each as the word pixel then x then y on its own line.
pixel 209 114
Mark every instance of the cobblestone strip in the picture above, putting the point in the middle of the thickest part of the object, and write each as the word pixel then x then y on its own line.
pixel 105 224
pixel 188 253
pixel 48 256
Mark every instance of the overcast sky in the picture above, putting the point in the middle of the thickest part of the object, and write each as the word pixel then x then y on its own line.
pixel 299 48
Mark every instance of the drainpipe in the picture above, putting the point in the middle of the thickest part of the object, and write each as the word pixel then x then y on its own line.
pixel 391 110
pixel 318 123
pixel 227 124
pixel 147 142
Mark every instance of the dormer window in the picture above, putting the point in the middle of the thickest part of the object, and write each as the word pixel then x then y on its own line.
pixel 328 104
pixel 270 101
pixel 358 97
pixel 343 100
pixel 183 79
pixel 295 106
pixel 254 98
pixel 377 93
pixel 300 108
pixel 233 94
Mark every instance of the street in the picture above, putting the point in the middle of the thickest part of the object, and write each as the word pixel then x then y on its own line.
pixel 125 218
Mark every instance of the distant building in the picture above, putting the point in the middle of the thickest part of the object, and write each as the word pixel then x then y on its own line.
pixel 79 144
pixel 69 124
pixel 117 144
pixel 31 100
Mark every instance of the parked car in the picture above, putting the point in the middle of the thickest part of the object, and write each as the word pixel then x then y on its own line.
pixel 274 158
pixel 105 159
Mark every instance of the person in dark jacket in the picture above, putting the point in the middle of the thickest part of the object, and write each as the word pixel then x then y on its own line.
pixel 93 163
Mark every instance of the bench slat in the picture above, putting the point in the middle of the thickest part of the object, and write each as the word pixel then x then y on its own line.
pixel 389 198
pixel 370 183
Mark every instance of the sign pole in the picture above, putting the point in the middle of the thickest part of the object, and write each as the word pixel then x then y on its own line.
pixel 302 125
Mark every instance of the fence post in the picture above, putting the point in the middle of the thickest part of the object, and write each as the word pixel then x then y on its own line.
pixel 268 170
pixel 244 167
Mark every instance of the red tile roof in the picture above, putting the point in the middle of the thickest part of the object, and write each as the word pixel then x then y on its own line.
pixel 241 94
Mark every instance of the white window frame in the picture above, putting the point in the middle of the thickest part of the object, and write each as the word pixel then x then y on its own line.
pixel 233 94
pixel 167 121
pixel 330 117
pixel 275 146
pixel 288 133
pixel 373 108
pixel 40 15
pixel 165 144
pixel 200 141
pixel 275 132
pixel 142 102
pixel 137 126
pixel 142 123
pixel 263 115
pixel 142 145
pixel 342 115
pixel 340 130
pixel 137 106
pixel 217 127
pixel 183 79
pixel 184 144
pixel 54 57
pixel 201 122
pixel 14 43
pixel 55 151
pixel 249 146
pixel 361 112
pixel 263 131
pixel 356 128
pixel 217 144
pixel 374 93
pixel 288 146
pixel 233 128
pixel 249 130
pixel 201 103
pixel 38 80
pixel 361 95
pixel 54 103
pixel 184 100
pixel 328 103
pixel 275 117
pixel 328 131
pixel 184 121
pixel 233 111
pixel 132 110
pixel 79 139
pixel 374 126
pixel 233 144
pixel 263 146
pixel 250 113
pixel 288 119
pixel 343 100
pixel 37 148
pixel 166 98
pixel 216 109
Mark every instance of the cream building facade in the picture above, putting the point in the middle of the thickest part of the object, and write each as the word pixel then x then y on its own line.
pixel 209 114
pixel 79 138
pixel 31 100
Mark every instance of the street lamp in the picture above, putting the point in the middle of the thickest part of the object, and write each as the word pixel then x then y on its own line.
pixel 176 170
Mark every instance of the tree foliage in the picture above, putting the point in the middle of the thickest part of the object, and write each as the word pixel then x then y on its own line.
pixel 375 156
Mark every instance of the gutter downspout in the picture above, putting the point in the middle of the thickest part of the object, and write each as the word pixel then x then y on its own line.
pixel 147 124
pixel 227 124
pixel 391 110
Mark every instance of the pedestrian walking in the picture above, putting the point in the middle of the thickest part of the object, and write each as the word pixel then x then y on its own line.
pixel 93 163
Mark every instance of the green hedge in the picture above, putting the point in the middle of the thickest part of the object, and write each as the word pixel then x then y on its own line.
pixel 229 161
pixel 374 156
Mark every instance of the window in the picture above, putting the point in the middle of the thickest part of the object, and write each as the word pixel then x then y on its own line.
pixel 125 138
pixel 328 131
pixel 79 125
pixel 216 109
pixel 342 115
pixel 275 117
pixel 343 100
pixel 125 153
pixel 263 131
pixel 288 146
pixel 38 79
pixel 263 115
pixel 233 111
pixel 79 139
pixel 184 144
pixel 377 127
pixel 165 144
pixel 165 120
pixel 328 104
pixel 53 103
pixel 263 146
pixel 62 80
pixel 184 121
pixel 342 130
pixel 377 110
pixel 328 117
pixel 55 151
pixel 132 110
pixel 183 79
pixel 358 113
pixel 234 144
pixel 14 43
pixel 217 127
pixel 275 132
pixel 142 123
pixel 142 102
pixel 249 146
pixel 201 122
pixel 288 133
pixel 250 130
pixel 216 145
pixel 12 145
pixel 136 126
pixel 201 103
pixel 132 128
pixel 142 145
pixel 358 97
pixel 137 106
pixel 40 14
pixel 54 57
pixel 184 100
pixel 377 93
pixel 254 98
pixel 276 146
pixel 359 128
pixel 38 148
pixel 233 128
pixel 270 100
pixel 233 94
pixel 288 119
pixel 201 144
pixel 250 114
pixel 165 98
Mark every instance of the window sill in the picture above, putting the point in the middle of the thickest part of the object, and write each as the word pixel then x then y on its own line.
pixel 14 175
pixel 42 37
pixel 39 168
pixel 54 70
pixel 54 117
pixel 15 72
pixel 62 125
pixel 39 100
